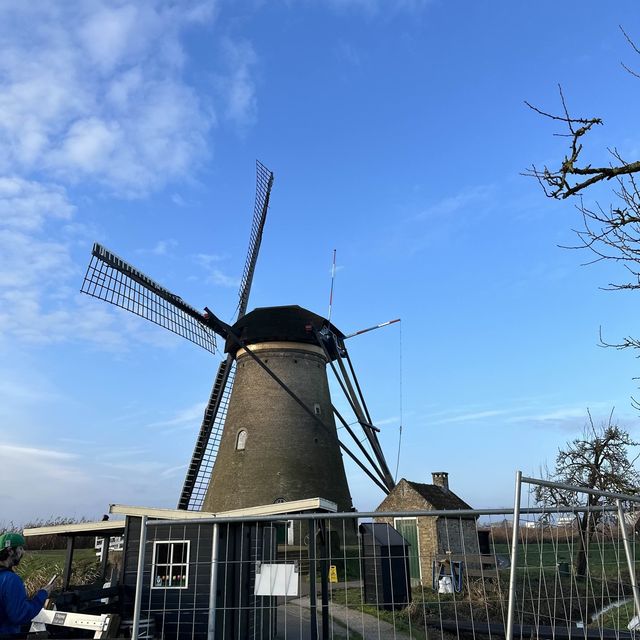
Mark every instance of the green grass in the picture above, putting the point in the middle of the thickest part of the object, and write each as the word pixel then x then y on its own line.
pixel 606 559
pixel 426 606
pixel 616 618
pixel 563 597
pixel 37 567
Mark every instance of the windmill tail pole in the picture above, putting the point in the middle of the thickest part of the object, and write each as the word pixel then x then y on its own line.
pixel 377 326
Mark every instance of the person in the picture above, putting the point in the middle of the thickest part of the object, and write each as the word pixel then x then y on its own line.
pixel 16 609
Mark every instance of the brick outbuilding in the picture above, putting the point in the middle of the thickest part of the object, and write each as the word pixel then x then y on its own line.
pixel 432 538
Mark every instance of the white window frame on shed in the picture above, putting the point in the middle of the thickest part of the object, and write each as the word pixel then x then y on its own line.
pixel 395 520
pixel 170 564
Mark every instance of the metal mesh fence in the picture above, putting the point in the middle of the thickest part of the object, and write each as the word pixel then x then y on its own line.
pixel 433 574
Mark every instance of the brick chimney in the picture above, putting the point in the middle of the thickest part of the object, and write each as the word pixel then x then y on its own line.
pixel 441 479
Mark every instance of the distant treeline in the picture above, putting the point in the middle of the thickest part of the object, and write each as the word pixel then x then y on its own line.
pixel 50 541
pixel 557 534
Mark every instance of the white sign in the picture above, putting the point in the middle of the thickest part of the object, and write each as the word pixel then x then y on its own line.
pixel 276 580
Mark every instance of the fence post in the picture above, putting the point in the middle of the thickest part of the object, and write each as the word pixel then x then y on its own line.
pixel 137 605
pixel 630 558
pixel 514 557
pixel 313 598
pixel 213 586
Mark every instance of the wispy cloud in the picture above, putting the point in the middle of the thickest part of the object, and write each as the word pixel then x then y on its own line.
pixel 374 7
pixel 474 415
pixel 215 275
pixel 97 94
pixel 237 84
pixel 530 411
pixel 186 418
pixel 459 202
pixel 33 454
pixel 82 97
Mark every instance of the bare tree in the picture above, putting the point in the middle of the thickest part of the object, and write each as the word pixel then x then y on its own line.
pixel 599 459
pixel 611 232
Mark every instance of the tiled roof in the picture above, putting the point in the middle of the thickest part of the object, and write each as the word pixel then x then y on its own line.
pixel 438 497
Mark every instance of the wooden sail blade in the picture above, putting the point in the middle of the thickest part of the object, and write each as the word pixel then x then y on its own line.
pixel 264 182
pixel 196 481
pixel 112 279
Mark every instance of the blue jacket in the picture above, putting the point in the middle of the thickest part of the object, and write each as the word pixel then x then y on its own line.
pixel 15 608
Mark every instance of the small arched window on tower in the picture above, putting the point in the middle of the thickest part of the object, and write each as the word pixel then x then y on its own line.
pixel 241 440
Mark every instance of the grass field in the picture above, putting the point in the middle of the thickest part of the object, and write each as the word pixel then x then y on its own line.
pixel 37 567
pixel 547 591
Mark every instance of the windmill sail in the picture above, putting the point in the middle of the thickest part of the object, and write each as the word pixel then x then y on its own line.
pixel 112 279
pixel 206 449
pixel 264 182
pixel 196 481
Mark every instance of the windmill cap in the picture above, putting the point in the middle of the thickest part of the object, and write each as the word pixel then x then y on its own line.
pixel 290 323
pixel 12 540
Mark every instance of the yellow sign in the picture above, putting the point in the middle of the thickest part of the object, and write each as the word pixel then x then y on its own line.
pixel 333 573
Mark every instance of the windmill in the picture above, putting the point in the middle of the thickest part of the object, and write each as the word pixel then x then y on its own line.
pixel 269 428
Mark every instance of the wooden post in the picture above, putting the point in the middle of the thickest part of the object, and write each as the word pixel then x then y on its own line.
pixel 66 575
pixel 106 542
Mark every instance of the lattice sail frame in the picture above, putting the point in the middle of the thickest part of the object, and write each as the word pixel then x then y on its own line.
pixel 113 280
pixel 264 182
pixel 203 477
pixel 199 471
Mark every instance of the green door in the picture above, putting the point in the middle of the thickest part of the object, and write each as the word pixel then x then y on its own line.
pixel 408 529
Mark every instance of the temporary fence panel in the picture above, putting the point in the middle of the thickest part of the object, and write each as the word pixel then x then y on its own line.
pixel 351 575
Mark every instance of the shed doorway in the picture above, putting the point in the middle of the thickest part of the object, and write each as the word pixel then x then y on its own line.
pixel 408 529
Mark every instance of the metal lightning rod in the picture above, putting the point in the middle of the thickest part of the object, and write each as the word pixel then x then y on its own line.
pixel 333 277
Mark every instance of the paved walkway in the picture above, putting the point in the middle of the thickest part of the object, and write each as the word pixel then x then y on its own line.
pixel 294 621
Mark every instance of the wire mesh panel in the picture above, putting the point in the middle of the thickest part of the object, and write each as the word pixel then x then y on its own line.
pixel 394 575
pixel 111 279
pixel 573 572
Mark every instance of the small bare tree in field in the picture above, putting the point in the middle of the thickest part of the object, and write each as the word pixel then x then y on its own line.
pixel 599 459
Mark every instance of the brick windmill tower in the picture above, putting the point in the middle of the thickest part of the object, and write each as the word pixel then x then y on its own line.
pixel 269 429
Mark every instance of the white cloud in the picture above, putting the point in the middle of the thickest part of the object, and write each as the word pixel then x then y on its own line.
pixel 184 419
pixel 96 94
pixel 220 278
pixel 238 85
pixel 459 202
pixel 25 204
pixel 380 6
pixel 215 275
pixel 474 415
pixel 96 91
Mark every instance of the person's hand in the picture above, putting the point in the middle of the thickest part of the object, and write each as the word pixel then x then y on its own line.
pixel 49 586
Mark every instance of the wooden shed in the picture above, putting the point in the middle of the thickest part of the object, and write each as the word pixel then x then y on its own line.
pixel 198 577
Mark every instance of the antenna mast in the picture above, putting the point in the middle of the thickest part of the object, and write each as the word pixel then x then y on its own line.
pixel 333 277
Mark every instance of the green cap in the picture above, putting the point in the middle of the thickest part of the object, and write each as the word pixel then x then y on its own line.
pixel 11 540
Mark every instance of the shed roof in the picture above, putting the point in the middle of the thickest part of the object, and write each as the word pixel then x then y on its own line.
pixel 278 508
pixel 103 528
pixel 383 533
pixel 438 497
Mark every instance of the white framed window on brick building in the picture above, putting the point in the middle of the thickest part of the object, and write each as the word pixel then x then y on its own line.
pixel 170 564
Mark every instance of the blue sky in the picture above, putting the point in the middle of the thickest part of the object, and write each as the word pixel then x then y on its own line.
pixel 397 134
